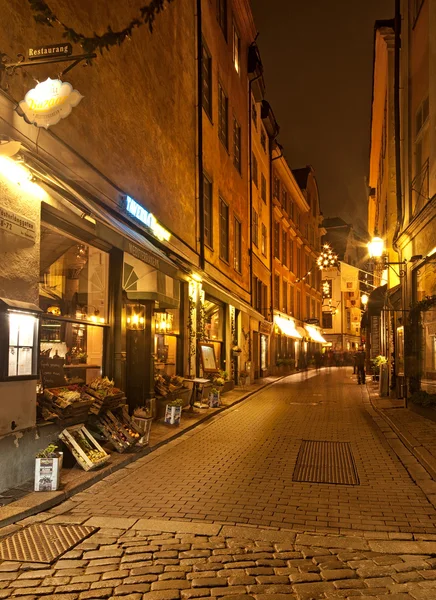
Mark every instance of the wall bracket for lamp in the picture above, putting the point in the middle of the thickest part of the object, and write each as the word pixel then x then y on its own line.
pixel 8 67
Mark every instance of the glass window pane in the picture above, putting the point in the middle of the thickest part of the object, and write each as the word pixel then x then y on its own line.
pixel 74 278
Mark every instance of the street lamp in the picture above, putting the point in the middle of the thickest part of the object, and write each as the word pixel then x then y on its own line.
pixel 376 247
pixel 364 299
pixel 376 251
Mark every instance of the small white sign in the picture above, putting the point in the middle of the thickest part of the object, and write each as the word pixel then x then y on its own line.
pixel 49 102
pixel 17 225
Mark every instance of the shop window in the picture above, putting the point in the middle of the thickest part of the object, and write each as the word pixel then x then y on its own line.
pixel 75 347
pixel 73 295
pixel 214 326
pixel 74 278
pixel 425 286
pixel 166 340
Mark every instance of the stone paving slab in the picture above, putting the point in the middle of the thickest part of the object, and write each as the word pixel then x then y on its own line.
pixel 173 526
pixel 226 563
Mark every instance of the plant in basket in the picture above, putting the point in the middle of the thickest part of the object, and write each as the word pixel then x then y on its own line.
pixel 48 465
pixel 214 398
pixel 173 412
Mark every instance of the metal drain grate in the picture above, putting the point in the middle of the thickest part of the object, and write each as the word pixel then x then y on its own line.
pixel 325 462
pixel 43 543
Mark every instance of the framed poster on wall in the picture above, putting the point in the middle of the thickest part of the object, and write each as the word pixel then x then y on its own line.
pixel 208 358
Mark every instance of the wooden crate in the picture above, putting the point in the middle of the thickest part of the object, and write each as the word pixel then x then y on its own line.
pixel 69 435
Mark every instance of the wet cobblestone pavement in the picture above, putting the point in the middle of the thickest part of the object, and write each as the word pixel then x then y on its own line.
pixel 216 513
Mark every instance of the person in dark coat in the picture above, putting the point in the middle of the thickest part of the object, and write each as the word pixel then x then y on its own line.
pixel 360 364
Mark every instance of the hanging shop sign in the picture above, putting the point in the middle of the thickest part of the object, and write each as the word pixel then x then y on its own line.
pixel 15 224
pixel 147 218
pixel 50 51
pixel 265 327
pixel 49 102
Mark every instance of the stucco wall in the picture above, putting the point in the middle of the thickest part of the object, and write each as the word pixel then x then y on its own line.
pixel 136 123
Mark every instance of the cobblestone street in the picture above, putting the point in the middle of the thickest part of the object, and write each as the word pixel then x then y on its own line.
pixel 239 468
pixel 216 513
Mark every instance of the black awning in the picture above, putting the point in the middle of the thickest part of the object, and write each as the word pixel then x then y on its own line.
pixel 364 320
pixel 377 300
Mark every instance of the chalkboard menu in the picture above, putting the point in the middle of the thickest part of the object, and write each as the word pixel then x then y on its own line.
pixel 375 336
pixel 52 373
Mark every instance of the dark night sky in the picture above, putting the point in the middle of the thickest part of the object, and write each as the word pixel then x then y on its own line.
pixel 317 58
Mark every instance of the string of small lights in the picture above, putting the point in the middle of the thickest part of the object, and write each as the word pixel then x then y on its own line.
pixel 326 260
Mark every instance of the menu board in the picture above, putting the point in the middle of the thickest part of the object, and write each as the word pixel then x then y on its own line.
pixel 52 373
pixel 25 361
pixel 375 336
pixel 208 358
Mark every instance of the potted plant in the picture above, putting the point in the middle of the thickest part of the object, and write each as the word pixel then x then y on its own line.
pixel 173 412
pixel 376 364
pixel 243 376
pixel 214 398
pixel 237 350
pixel 48 465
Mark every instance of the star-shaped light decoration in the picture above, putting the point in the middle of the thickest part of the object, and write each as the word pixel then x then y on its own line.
pixel 327 259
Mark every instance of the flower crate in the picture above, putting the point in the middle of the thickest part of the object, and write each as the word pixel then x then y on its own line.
pixel 173 415
pixel 214 399
pixel 84 447
pixel 48 473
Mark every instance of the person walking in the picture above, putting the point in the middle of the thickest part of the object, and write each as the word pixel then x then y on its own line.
pixel 360 364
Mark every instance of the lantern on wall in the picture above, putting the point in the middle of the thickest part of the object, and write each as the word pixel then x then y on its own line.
pixel 135 316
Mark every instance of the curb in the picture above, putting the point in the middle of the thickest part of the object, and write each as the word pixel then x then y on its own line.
pixel 420 452
pixel 33 503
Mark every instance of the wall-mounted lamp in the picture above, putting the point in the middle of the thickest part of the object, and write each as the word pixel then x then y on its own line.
pixel 376 251
pixel 135 314
pixel 376 247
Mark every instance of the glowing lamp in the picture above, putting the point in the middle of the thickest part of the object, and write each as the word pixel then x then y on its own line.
pixel 364 299
pixel 376 247
pixel 135 317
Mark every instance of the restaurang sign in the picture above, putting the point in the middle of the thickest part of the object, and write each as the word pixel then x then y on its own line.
pixel 49 102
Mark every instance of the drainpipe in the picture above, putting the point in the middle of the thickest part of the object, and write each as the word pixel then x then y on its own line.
pixel 200 133
pixel 397 124
pixel 398 181
pixel 250 173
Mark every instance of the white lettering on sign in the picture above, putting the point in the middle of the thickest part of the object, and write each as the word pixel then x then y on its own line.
pixel 49 102
pixel 17 225
pixel 147 218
